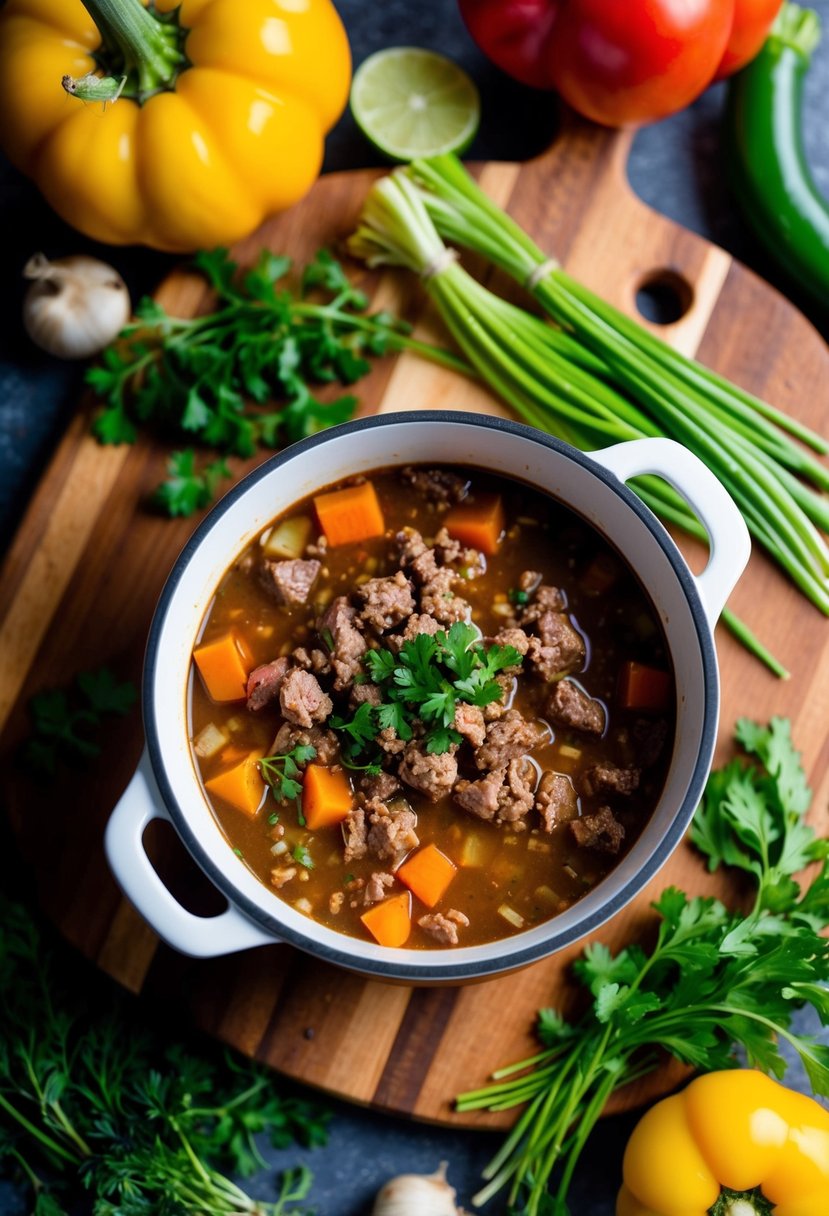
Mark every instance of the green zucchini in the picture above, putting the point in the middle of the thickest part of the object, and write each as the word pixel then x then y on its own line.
pixel 766 159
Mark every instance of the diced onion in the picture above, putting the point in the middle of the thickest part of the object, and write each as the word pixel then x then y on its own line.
pixel 279 848
pixel 509 914
pixel 304 905
pixel 568 752
pixel 209 741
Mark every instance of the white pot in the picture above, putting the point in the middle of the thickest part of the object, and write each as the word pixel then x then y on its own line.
pixel 166 785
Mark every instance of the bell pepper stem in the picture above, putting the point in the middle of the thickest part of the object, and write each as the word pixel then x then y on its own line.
pixel 136 46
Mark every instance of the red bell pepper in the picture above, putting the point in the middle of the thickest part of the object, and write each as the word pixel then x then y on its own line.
pixel 620 61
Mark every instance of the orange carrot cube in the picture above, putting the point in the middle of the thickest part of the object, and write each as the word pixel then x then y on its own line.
pixel 326 796
pixel 350 515
pixel 478 524
pixel 390 922
pixel 427 874
pixel 223 666
pixel 642 687
pixel 242 786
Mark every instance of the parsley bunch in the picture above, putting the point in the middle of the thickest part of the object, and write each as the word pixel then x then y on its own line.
pixel 64 723
pixel 423 684
pixel 714 980
pixel 93 1104
pixel 282 774
pixel 217 378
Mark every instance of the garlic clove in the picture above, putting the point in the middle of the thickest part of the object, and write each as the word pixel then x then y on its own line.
pixel 417 1195
pixel 75 305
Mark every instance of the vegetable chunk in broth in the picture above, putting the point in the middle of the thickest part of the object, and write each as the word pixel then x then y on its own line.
pixel 432 708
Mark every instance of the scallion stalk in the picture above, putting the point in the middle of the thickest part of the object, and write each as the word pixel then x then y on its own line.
pixel 559 385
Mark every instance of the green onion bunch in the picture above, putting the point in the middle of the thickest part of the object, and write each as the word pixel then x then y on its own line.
pixel 552 376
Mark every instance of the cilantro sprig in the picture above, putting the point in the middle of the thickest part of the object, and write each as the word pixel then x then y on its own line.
pixel 241 376
pixel 66 722
pixel 714 981
pixel 423 684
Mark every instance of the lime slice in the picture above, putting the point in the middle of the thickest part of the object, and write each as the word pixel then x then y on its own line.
pixel 410 102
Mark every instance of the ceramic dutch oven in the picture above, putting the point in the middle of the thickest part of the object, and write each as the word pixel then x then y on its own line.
pixel 166 785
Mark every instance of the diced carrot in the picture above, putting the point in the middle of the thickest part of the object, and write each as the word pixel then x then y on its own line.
pixel 242 786
pixel 642 687
pixel 326 796
pixel 478 524
pixel 350 515
pixel 224 666
pixel 427 874
pixel 390 922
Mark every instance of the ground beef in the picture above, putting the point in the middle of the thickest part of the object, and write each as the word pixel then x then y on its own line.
pixel 608 779
pixel 518 792
pixel 289 582
pixel 437 485
pixel 507 739
pixel 480 797
pixel 544 599
pixel 571 706
pixel 529 580
pixel 433 776
pixel 303 701
pixel 437 598
pixel 416 624
pixel 355 835
pixel 365 694
pixel 555 800
pixel 389 743
pixel 514 637
pixel 392 833
pixel 338 626
pixel 558 649
pixel 312 660
pixel 376 888
pixel 410 546
pixel 324 742
pixel 469 722
pixel 443 928
pixel 265 682
pixel 448 551
pixel 601 831
pixel 386 601
pixel 504 795
pixel 280 875
pixel 381 785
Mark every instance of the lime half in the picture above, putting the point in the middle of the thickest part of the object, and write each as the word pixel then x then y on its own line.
pixel 410 102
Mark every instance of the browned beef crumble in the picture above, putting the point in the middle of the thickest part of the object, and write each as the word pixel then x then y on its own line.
pixel 432 776
pixel 571 706
pixel 601 831
pixel 290 582
pixel 507 739
pixel 323 741
pixel 338 629
pixel 264 683
pixel 443 927
pixel 439 486
pixel 556 800
pixel 376 888
pixel 609 779
pixel 302 700
pixel 386 601
pixel 392 832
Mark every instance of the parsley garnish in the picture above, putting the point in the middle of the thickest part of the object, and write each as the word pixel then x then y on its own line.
pixel 424 683
pixel 216 378
pixel 65 722
pixel 516 596
pixel 303 857
pixel 282 774
pixel 715 979
pixel 95 1104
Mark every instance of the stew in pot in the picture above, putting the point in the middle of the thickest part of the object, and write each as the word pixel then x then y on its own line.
pixel 431 707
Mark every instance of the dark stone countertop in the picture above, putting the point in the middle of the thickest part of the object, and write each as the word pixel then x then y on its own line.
pixel 676 167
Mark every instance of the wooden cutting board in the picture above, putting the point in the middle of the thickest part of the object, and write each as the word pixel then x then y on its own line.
pixel 80 583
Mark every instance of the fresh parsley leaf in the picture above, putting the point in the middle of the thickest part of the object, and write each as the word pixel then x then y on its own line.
pixel 282 772
pixel 186 489
pixel 303 857
pixel 65 723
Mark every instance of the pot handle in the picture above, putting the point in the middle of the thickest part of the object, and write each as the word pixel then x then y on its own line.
pixel 728 536
pixel 198 936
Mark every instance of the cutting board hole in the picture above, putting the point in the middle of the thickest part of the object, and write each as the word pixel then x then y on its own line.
pixel 664 297
pixel 179 873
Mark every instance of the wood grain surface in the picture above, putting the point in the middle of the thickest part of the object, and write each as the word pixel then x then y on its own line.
pixel 80 582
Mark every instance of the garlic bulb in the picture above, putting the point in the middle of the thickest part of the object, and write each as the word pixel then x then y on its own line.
pixel 417 1195
pixel 75 306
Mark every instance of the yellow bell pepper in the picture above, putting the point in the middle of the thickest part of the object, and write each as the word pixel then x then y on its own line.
pixel 731 1144
pixel 180 126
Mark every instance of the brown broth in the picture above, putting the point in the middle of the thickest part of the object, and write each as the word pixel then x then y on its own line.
pixel 535 873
